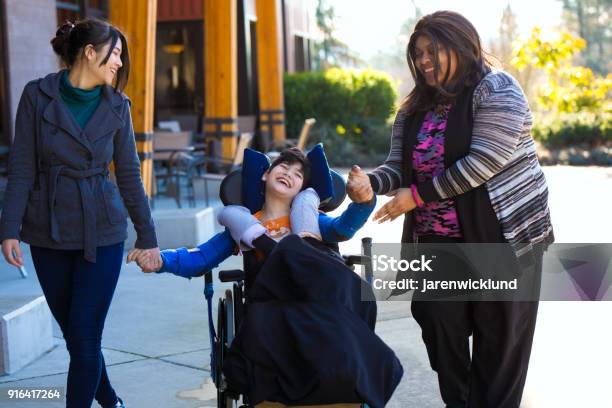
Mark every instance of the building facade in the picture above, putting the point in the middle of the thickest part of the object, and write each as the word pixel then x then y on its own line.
pixel 213 66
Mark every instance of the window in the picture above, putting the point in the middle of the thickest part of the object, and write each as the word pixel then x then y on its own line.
pixel 179 69
pixel 96 8
pixel 67 10
pixel 302 53
pixel 73 10
pixel 248 103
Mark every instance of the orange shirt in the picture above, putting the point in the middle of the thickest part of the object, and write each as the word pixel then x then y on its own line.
pixel 277 228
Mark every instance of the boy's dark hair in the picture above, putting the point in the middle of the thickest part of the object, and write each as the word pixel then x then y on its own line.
pixel 294 155
pixel 70 39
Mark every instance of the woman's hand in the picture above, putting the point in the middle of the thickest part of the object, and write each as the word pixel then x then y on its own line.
pixel 358 186
pixel 149 260
pixel 402 203
pixel 10 247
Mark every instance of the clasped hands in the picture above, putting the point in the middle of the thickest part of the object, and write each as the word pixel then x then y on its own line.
pixel 149 260
pixel 359 190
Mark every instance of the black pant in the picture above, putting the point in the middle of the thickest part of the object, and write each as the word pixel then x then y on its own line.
pixel 79 294
pixel 494 376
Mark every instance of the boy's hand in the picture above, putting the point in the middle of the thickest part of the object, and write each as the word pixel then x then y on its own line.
pixel 358 186
pixel 149 263
pixel 149 260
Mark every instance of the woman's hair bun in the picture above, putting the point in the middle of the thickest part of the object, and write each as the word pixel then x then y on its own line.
pixel 65 29
pixel 61 42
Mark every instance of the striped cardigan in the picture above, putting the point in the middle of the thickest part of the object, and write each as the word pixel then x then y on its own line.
pixel 502 155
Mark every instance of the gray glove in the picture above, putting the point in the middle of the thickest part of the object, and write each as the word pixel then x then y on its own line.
pixel 242 225
pixel 305 214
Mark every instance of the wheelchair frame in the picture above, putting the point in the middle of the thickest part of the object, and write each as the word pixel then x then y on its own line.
pixel 229 316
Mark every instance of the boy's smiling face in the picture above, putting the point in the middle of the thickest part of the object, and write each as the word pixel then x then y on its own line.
pixel 284 180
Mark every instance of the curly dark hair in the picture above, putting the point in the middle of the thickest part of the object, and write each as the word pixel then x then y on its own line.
pixel 294 155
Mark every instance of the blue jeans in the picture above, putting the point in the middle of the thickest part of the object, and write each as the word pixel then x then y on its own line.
pixel 79 294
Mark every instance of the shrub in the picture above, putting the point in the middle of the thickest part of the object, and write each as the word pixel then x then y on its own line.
pixel 571 129
pixel 342 152
pixel 352 109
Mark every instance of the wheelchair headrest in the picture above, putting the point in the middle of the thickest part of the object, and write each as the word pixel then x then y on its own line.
pixel 231 191
pixel 255 164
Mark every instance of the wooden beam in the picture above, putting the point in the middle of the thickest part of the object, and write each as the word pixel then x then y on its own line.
pixel 270 68
pixel 221 73
pixel 137 20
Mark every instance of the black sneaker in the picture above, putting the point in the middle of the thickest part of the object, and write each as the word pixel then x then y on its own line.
pixel 118 404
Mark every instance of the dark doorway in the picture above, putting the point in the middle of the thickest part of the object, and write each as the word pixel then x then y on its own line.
pixel 73 10
pixel 248 103
pixel 179 72
pixel 302 53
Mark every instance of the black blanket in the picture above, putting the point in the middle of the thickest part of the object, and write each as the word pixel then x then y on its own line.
pixel 307 337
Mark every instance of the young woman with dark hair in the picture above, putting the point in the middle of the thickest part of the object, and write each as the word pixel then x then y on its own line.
pixel 59 198
pixel 463 168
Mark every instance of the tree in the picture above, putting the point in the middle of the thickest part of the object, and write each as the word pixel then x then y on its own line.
pixel 330 51
pixel 591 20
pixel 394 61
pixel 568 88
pixel 508 34
pixel 503 50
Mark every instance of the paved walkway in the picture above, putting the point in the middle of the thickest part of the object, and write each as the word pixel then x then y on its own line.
pixel 157 351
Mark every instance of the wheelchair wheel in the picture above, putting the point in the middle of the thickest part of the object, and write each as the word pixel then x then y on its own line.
pixel 238 304
pixel 225 335
pixel 219 351
pixel 229 321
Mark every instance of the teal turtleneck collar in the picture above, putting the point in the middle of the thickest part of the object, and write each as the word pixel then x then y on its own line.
pixel 82 103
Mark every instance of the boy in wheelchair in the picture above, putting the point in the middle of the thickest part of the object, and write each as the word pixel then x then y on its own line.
pixel 289 205
pixel 307 337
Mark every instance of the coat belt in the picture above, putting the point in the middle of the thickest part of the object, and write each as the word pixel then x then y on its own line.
pixel 88 201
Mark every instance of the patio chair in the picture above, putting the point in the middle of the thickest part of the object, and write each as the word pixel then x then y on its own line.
pixel 173 162
pixel 223 165
pixel 301 141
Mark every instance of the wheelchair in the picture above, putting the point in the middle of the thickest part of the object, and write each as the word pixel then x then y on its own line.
pixel 231 306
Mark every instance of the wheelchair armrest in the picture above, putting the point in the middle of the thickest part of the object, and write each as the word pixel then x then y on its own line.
pixel 356 259
pixel 231 275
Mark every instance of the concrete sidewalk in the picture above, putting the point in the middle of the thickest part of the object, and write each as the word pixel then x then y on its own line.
pixel 157 350
pixel 156 339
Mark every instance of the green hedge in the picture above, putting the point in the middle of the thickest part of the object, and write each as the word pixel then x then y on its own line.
pixel 352 109
pixel 574 129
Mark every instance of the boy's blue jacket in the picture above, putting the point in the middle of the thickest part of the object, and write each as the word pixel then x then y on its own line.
pixel 189 263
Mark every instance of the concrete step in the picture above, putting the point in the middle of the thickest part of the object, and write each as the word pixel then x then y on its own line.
pixel 186 227
pixel 25 331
